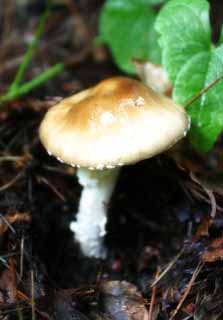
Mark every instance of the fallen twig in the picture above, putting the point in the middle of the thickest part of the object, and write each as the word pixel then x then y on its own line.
pixel 153 296
pixel 170 265
pixel 188 288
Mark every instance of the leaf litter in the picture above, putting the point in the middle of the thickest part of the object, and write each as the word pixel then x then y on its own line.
pixel 164 230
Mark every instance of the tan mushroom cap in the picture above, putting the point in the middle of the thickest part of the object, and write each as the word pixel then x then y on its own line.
pixel 119 121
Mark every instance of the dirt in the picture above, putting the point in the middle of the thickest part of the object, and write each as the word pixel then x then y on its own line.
pixel 159 226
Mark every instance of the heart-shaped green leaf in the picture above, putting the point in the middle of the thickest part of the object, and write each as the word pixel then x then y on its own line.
pixel 127 27
pixel 192 62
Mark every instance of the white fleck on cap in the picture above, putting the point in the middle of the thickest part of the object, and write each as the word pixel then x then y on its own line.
pixel 119 121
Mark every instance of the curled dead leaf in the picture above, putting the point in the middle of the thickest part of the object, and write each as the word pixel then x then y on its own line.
pixel 8 219
pixel 122 300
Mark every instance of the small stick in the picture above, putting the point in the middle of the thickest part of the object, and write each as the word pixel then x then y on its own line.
pixel 153 295
pixel 21 257
pixel 9 158
pixel 170 265
pixel 23 297
pixel 52 187
pixel 33 296
pixel 7 223
pixel 188 288
pixel 11 182
pixel 199 94
pixel 209 193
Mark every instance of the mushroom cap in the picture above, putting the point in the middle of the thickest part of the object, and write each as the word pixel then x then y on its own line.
pixel 119 121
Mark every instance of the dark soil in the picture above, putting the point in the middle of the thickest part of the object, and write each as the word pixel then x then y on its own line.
pixel 159 215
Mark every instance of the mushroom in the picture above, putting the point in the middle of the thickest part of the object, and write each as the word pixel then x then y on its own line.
pixel 118 122
pixel 154 76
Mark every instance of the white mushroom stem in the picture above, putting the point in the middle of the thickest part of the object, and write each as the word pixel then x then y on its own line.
pixel 89 227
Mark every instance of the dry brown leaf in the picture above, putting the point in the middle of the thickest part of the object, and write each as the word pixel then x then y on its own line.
pixel 122 300
pixel 8 219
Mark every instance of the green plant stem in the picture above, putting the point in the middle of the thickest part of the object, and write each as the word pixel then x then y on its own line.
pixel 205 89
pixel 35 82
pixel 17 89
pixel 29 53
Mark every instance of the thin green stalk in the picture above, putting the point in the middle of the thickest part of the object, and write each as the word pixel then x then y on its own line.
pixel 204 90
pixel 30 51
pixel 19 313
pixel 17 89
pixel 35 82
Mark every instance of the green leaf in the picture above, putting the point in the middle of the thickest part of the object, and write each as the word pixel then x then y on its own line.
pixel 185 31
pixel 192 63
pixel 221 36
pixel 156 2
pixel 127 27
pixel 210 115
pixel 190 80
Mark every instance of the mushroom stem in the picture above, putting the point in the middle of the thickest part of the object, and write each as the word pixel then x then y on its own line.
pixel 89 227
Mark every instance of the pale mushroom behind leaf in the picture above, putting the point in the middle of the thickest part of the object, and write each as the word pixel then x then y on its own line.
pixel 120 121
pixel 153 76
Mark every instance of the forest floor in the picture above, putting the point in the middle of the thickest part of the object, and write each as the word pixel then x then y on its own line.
pixel 165 225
